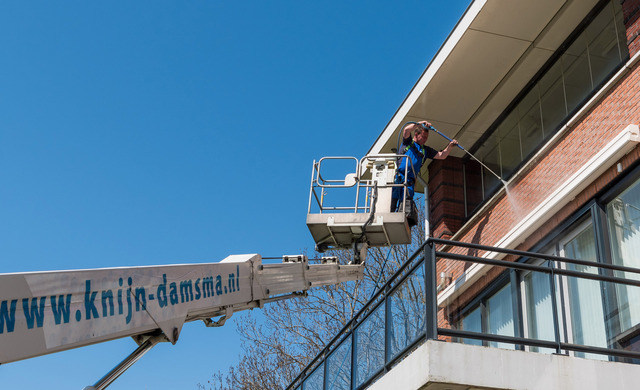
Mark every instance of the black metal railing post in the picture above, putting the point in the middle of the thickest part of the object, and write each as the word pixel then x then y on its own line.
pixel 325 373
pixel 388 328
pixel 430 285
pixel 554 307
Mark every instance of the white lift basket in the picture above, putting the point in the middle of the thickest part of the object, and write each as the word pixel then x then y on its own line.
pixel 355 212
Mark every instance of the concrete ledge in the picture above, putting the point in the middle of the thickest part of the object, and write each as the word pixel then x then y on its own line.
pixel 438 365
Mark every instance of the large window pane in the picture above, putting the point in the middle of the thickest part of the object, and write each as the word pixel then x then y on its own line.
pixel 510 150
pixel 552 99
pixel 577 74
pixel 473 323
pixel 530 122
pixel 539 309
pixel 604 47
pixel 585 296
pixel 500 316
pixel 408 311
pixel 370 346
pixel 493 315
pixel 339 367
pixel 489 154
pixel 623 217
pixel 621 31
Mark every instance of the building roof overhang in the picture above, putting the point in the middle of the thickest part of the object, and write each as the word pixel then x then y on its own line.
pixel 494 51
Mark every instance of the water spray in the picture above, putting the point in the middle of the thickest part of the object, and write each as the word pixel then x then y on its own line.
pixel 464 150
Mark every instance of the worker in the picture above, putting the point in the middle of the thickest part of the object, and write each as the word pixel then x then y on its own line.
pixel 417 154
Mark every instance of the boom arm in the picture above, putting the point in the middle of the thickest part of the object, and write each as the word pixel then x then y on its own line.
pixel 46 312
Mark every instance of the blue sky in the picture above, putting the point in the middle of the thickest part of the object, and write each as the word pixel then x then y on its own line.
pixel 162 132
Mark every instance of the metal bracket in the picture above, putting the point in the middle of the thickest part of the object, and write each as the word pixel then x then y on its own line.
pixel 210 323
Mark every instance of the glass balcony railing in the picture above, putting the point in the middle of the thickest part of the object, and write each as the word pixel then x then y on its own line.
pixel 403 314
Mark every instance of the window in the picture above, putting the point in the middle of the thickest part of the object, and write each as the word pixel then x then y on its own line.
pixel 577 76
pixel 552 100
pixel 510 148
pixel 473 323
pixel 494 315
pixel 581 318
pixel 604 39
pixel 623 222
pixel 593 313
pixel 530 121
pixel 596 313
pixel 491 153
pixel 500 315
pixel 584 296
pixel 538 309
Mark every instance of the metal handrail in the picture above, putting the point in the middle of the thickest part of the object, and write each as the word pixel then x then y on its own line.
pixel 318 182
pixel 368 308
pixel 426 254
pixel 535 255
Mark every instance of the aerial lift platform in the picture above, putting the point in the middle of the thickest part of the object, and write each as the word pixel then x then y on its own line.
pixel 362 218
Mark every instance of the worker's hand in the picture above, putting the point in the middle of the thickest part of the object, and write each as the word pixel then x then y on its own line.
pixel 444 153
pixel 425 124
pixel 451 145
pixel 413 127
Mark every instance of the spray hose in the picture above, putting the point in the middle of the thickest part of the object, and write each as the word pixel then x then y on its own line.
pixel 450 140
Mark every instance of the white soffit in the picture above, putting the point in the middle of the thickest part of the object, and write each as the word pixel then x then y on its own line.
pixel 494 51
pixel 472 77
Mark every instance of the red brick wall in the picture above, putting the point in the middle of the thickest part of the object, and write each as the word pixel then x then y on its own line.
pixel 631 12
pixel 446 194
pixel 618 109
pixel 446 197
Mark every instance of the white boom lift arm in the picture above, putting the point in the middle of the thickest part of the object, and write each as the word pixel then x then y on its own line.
pixel 47 312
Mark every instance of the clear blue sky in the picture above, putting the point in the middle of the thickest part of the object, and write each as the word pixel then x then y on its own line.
pixel 162 132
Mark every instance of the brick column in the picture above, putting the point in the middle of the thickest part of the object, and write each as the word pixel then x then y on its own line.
pixel 446 196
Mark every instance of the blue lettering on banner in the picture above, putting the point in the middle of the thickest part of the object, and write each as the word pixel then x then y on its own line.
pixel 61 308
pixel 107 303
pixel 8 316
pixel 186 291
pixel 34 312
pixel 89 304
pixel 35 309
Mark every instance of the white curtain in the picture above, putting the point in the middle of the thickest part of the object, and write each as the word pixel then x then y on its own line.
pixel 500 313
pixel 473 323
pixel 587 314
pixel 539 308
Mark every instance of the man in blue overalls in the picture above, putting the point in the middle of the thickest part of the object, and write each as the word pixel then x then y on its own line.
pixel 417 153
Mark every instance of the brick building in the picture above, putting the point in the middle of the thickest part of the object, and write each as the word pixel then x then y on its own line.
pixel 547 94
